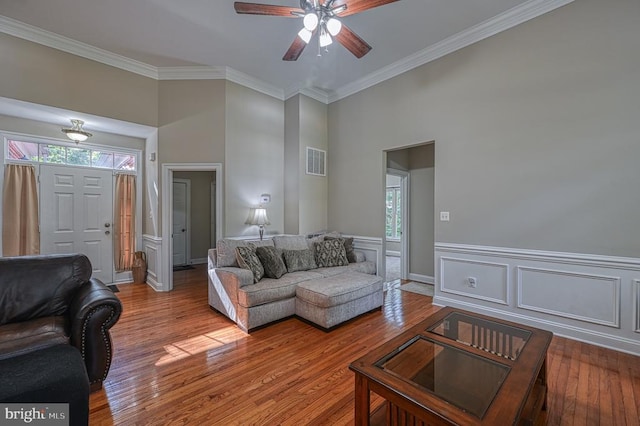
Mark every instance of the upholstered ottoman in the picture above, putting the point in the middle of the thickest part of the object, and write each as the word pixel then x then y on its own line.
pixel 53 375
pixel 332 300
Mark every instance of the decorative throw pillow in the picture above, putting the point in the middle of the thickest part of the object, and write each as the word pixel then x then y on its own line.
pixel 348 247
pixel 299 260
pixel 330 253
pixel 248 259
pixel 271 261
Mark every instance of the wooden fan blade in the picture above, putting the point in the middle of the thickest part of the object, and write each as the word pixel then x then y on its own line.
pixel 353 42
pixel 266 9
pixel 295 50
pixel 357 6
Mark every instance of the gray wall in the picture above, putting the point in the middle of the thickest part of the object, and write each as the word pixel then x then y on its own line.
pixel 254 158
pixel 535 129
pixel 42 75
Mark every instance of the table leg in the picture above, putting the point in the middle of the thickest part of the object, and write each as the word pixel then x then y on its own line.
pixel 362 401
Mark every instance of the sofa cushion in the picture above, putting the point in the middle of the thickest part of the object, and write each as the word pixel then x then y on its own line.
pixel 226 249
pixel 22 337
pixel 299 260
pixel 272 262
pixel 270 290
pixel 348 246
pixel 338 289
pixel 290 242
pixel 330 253
pixel 248 259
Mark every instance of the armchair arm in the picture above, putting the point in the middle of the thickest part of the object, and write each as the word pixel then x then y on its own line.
pixel 93 311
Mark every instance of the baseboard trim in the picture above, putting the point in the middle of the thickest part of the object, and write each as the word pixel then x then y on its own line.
pixel 422 278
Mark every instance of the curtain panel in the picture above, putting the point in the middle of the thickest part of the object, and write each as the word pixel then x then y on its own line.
pixel 20 226
pixel 125 221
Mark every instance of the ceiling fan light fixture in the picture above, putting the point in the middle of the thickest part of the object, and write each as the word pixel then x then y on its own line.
pixel 325 38
pixel 334 26
pixel 310 21
pixel 76 133
pixel 305 35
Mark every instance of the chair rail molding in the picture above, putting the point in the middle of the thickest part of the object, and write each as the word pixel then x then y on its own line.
pixel 586 297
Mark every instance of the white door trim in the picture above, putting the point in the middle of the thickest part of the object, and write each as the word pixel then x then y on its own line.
pixel 167 212
pixel 404 240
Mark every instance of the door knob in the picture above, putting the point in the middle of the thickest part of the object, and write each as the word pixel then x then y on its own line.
pixel 107 232
pixel 106 225
pixel 183 230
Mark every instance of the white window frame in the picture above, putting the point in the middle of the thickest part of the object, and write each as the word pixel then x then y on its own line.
pixel 394 221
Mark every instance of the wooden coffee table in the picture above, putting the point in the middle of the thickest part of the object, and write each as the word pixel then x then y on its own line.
pixel 456 367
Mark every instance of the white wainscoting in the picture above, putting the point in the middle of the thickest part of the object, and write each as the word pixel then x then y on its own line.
pixel 152 246
pixel 590 298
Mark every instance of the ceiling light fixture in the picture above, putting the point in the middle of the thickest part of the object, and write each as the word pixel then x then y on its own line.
pixel 76 133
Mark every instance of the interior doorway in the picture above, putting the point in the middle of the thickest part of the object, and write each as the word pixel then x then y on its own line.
pixel 205 181
pixel 396 224
pixel 411 174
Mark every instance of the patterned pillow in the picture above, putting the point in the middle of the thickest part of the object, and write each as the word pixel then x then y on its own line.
pixel 299 260
pixel 348 247
pixel 248 259
pixel 330 253
pixel 271 261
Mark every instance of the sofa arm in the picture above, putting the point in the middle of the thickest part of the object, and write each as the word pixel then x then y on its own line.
pixel 241 277
pixel 360 256
pixel 93 311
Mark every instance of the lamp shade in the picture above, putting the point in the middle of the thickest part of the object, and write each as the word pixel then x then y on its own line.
pixel 257 216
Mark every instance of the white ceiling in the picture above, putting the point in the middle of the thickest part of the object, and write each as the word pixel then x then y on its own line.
pixel 197 33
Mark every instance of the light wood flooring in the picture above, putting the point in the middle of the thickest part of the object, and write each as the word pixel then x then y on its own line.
pixel 178 362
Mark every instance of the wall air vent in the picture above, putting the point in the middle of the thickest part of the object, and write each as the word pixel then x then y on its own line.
pixel 316 162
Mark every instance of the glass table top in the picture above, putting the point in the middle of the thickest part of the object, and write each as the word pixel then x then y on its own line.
pixel 463 379
pixel 494 337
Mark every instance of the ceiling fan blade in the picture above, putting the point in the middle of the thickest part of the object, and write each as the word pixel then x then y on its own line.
pixel 295 50
pixel 353 42
pixel 266 9
pixel 357 6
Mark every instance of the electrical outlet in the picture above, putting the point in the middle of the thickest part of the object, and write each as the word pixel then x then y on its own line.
pixel 444 216
pixel 473 283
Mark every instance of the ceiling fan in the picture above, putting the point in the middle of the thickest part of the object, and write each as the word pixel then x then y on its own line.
pixel 318 17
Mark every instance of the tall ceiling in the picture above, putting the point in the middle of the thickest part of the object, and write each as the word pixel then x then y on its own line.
pixel 196 33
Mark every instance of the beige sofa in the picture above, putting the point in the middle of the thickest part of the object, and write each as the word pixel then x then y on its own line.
pixel 330 295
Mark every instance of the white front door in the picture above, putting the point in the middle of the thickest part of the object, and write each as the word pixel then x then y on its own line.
pixel 76 215
pixel 180 210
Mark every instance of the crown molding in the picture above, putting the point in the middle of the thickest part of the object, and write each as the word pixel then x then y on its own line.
pixel 515 16
pixel 192 73
pixel 254 83
pixel 313 93
pixel 495 25
pixel 65 44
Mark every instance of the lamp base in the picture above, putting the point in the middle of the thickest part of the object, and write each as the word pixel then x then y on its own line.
pixel 261 232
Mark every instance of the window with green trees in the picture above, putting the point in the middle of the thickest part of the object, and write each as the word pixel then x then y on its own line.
pixel 393 213
pixel 41 152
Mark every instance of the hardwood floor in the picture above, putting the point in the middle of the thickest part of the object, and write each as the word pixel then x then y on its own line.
pixel 178 362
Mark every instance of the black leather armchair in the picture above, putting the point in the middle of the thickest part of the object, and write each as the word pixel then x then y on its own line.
pixel 51 300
